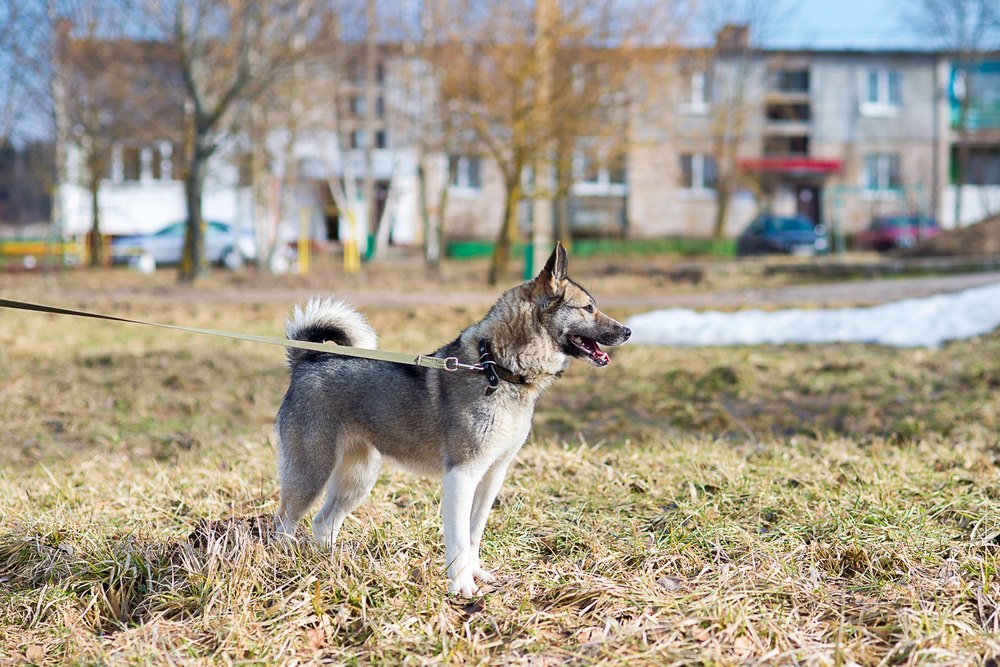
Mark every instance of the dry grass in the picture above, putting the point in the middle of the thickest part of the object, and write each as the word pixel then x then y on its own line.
pixel 831 505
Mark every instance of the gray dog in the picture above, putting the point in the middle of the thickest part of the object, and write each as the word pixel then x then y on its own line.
pixel 341 416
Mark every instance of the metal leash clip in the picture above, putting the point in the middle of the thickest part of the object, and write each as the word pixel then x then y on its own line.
pixel 453 364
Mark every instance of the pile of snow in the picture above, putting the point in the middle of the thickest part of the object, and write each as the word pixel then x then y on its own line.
pixel 922 322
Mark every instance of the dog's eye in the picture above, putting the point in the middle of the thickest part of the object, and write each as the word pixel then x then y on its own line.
pixel 589 308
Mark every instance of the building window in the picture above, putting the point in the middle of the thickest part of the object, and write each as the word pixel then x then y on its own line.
pixel 589 170
pixel 155 163
pixel 698 172
pixel 618 170
pixel 881 172
pixel 883 92
pixel 464 172
pixel 166 161
pixel 790 80
pixel 131 163
pixel 359 139
pixel 982 166
pixel 359 106
pixel 699 93
pixel 359 73
pixel 599 175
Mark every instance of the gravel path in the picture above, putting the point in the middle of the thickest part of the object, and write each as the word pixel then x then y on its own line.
pixel 857 293
pixel 832 294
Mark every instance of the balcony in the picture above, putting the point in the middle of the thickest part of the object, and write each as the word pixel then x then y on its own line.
pixel 786 146
pixel 787 119
pixel 979 118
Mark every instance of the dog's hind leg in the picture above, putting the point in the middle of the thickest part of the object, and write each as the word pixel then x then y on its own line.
pixel 302 477
pixel 349 484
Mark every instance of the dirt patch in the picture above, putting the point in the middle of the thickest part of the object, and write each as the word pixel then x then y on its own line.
pixel 257 528
pixel 982 238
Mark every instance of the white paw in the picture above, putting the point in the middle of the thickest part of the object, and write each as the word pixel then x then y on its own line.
pixel 283 537
pixel 283 532
pixel 484 576
pixel 464 585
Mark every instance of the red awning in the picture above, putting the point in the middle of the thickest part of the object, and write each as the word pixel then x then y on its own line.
pixel 791 165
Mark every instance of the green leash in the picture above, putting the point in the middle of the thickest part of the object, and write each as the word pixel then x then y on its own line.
pixel 447 364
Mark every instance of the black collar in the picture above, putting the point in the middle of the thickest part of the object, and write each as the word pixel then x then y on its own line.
pixel 495 372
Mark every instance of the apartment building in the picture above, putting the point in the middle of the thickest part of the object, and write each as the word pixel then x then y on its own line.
pixel 837 136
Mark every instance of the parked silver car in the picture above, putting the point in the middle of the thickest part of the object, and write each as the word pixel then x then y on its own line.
pixel 223 246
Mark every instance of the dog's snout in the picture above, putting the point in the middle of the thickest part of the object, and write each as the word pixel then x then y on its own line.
pixel 626 333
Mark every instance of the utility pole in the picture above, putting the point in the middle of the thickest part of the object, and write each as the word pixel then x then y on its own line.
pixel 61 28
pixel 371 53
pixel 541 208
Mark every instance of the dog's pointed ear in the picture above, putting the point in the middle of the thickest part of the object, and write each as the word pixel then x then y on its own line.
pixel 550 281
pixel 556 266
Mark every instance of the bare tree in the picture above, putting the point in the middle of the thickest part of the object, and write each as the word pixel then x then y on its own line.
pixel 115 91
pixel 228 52
pixel 420 118
pixel 12 22
pixel 727 68
pixel 25 59
pixel 489 69
pixel 966 29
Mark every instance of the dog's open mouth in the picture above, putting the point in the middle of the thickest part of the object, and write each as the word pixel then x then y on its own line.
pixel 591 350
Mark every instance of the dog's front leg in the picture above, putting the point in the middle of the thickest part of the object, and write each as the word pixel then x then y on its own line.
pixel 486 493
pixel 459 490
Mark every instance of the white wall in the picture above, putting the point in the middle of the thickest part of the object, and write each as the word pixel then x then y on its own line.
pixel 978 202
pixel 144 207
pixel 147 205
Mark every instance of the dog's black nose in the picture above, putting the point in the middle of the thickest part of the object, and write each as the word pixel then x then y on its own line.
pixel 626 332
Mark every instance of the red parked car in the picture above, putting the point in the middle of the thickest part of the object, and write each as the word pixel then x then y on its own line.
pixel 897 231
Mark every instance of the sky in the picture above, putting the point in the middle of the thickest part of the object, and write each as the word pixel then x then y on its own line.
pixel 834 24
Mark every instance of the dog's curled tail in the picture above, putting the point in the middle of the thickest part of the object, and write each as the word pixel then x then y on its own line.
pixel 321 320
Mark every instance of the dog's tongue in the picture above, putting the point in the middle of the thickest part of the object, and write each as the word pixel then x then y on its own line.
pixel 599 356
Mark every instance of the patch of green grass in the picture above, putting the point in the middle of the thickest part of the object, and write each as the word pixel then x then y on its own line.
pixel 680 246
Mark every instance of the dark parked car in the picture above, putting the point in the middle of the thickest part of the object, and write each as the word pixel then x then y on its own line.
pixel 897 231
pixel 792 235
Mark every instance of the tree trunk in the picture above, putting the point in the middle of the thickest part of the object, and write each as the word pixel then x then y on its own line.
pixel 962 154
pixel 961 159
pixel 433 224
pixel 564 184
pixel 431 250
pixel 500 264
pixel 95 216
pixel 193 260
pixel 437 223
pixel 723 195
pixel 562 222
pixel 371 221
